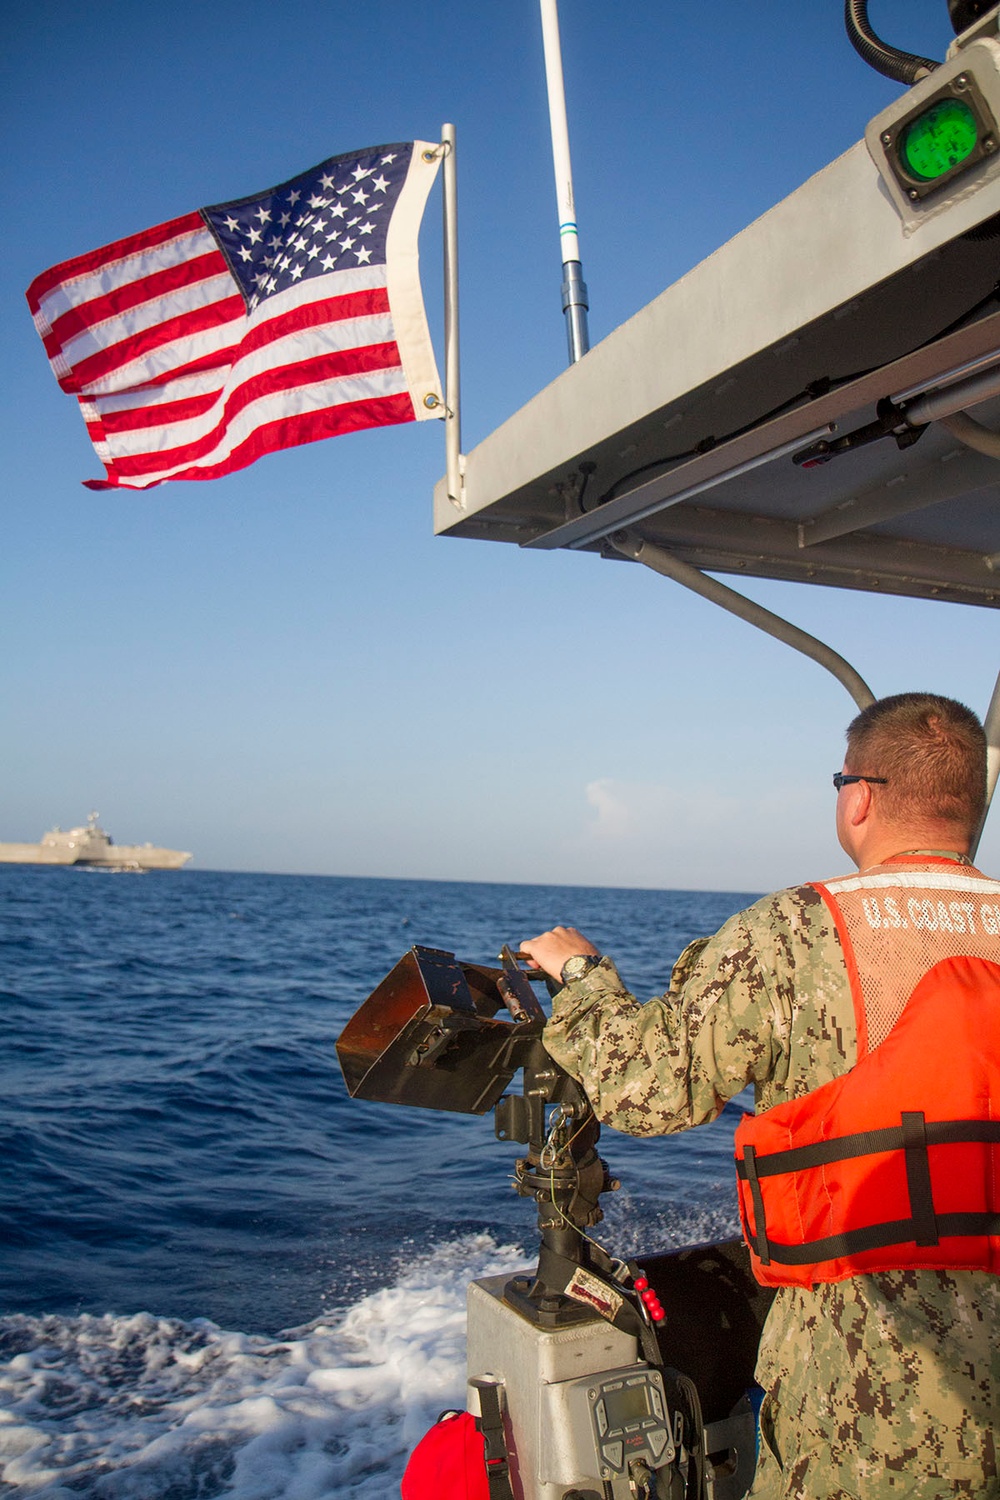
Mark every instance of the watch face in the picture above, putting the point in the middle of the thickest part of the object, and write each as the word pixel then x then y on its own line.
pixel 577 966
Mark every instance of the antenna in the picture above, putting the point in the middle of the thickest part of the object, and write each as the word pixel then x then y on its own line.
pixel 574 290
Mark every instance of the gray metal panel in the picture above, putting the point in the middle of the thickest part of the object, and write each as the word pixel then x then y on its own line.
pixel 829 293
pixel 504 1346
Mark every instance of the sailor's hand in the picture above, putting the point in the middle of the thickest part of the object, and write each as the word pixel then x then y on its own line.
pixel 551 949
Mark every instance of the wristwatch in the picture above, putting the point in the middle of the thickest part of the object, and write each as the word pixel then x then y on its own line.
pixel 578 965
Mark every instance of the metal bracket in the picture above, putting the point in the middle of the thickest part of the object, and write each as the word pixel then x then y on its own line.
pixel 664 562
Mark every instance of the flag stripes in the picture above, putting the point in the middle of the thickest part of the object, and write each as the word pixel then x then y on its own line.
pixel 280 423
pixel 201 344
pixel 185 437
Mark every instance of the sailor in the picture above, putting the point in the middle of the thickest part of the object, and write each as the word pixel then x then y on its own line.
pixel 865 1004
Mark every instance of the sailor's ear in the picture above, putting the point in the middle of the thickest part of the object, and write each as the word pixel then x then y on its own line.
pixel 860 802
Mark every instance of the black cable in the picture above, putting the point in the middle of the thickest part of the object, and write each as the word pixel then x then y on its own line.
pixel 814 389
pixel 903 67
pixel 992 295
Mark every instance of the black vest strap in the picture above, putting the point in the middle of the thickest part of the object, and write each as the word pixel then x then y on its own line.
pixel 491 1426
pixel 918 1177
pixel 879 1237
pixel 759 1241
pixel 866 1143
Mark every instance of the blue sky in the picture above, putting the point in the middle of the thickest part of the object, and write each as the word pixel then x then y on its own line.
pixel 284 670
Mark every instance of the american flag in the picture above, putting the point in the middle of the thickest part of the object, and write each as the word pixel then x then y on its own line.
pixel 198 346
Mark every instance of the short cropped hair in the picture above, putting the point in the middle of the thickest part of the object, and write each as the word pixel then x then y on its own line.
pixel 932 752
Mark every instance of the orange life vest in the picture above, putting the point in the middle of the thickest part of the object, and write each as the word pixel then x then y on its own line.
pixel 896 1164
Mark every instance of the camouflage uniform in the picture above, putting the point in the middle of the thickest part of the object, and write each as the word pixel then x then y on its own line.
pixel 881 1385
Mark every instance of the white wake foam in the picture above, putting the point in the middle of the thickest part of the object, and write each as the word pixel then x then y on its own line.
pixel 147 1408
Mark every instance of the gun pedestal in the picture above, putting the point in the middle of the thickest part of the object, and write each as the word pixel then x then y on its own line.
pixel 564 1174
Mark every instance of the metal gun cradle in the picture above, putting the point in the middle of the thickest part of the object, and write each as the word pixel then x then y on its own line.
pixel 429 1036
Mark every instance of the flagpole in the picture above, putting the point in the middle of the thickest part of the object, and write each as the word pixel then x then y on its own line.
pixel 574 290
pixel 455 464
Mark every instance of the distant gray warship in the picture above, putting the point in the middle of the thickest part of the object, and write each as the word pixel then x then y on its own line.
pixel 93 847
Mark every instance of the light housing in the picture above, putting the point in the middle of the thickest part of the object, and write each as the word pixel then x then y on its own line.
pixel 941 139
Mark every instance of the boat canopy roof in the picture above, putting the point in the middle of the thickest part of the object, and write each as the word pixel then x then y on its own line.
pixel 682 427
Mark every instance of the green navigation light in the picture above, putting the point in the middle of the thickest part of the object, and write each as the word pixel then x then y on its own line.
pixel 939 139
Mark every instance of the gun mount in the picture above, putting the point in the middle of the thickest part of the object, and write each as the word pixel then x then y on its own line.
pixel 438 1033
pixel 589 1410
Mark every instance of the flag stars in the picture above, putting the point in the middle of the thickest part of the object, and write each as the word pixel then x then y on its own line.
pixel 296 233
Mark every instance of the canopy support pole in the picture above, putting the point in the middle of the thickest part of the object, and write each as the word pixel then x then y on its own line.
pixel 991 723
pixel 669 566
pixel 665 563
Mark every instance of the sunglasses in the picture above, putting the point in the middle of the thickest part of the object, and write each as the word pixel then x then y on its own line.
pixel 840 778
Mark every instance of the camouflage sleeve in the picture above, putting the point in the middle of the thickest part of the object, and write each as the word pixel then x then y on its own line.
pixel 672 1063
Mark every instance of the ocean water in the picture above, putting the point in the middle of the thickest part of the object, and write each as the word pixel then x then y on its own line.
pixel 219 1275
